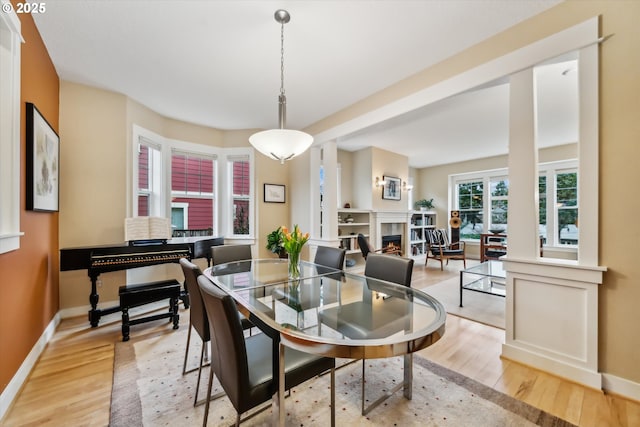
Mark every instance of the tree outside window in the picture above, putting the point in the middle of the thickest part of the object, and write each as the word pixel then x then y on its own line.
pixel 470 204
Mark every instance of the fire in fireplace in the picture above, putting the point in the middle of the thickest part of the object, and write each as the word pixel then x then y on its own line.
pixel 392 241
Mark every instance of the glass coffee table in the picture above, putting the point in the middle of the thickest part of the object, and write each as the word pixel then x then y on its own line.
pixel 488 278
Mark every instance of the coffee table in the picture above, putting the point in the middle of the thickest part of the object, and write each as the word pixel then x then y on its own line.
pixel 487 278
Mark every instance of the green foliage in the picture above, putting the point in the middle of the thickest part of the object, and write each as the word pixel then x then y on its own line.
pixel 424 203
pixel 274 241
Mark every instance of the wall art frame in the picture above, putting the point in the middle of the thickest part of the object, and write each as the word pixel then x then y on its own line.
pixel 43 163
pixel 392 189
pixel 274 193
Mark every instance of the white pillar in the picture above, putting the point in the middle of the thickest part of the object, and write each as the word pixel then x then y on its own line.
pixel 524 240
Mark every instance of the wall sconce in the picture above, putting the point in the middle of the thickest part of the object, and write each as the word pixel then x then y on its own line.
pixel 406 187
pixel 380 182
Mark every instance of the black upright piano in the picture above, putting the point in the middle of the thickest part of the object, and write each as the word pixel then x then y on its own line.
pixel 116 257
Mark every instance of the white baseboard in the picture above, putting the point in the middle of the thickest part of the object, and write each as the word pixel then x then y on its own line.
pixel 621 387
pixel 13 388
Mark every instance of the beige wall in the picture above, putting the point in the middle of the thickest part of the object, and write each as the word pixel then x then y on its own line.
pixel 97 129
pixel 619 338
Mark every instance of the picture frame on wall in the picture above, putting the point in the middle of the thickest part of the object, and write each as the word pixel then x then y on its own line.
pixel 392 189
pixel 43 163
pixel 274 193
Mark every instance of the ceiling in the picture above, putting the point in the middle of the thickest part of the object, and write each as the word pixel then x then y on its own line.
pixel 217 63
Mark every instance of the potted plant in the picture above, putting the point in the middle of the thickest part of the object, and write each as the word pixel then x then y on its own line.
pixel 424 204
pixel 275 243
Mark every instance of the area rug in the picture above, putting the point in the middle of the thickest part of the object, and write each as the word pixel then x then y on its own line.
pixel 483 308
pixel 150 390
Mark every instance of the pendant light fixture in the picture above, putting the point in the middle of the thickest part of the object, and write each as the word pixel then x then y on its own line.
pixel 281 144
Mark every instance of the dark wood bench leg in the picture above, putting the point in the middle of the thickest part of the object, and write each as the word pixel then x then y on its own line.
pixel 176 315
pixel 125 324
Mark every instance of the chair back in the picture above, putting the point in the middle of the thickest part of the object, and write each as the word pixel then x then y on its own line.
pixel 390 268
pixel 228 348
pixel 229 253
pixel 331 257
pixel 437 237
pixel 197 313
pixel 364 245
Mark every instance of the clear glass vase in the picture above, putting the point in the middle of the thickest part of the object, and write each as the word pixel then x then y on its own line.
pixel 294 265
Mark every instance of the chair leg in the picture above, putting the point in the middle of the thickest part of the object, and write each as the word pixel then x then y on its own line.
pixel 333 397
pixel 186 351
pixel 195 400
pixel 206 406
pixel 364 363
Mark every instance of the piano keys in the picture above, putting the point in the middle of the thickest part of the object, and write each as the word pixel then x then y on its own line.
pixel 117 257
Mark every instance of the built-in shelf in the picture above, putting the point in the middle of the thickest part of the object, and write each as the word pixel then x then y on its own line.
pixel 419 223
pixel 352 222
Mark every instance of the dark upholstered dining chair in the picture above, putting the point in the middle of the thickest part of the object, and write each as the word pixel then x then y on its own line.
pixel 331 257
pixel 392 269
pixel 243 365
pixel 198 318
pixel 228 253
pixel 366 248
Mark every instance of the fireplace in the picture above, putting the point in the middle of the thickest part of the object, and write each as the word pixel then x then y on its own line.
pixel 393 241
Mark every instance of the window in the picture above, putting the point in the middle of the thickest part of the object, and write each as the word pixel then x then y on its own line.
pixel 192 198
pixel 558 204
pixel 241 193
pixel 567 208
pixel 499 203
pixel 10 40
pixel 186 182
pixel 471 206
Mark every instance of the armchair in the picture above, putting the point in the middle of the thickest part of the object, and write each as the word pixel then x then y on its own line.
pixel 440 248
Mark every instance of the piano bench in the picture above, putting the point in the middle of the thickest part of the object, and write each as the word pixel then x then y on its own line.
pixel 145 293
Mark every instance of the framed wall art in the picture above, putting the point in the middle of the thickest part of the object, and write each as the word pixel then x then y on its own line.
pixel 392 188
pixel 274 193
pixel 43 163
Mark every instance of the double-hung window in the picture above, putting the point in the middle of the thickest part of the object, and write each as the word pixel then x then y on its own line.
pixel 192 193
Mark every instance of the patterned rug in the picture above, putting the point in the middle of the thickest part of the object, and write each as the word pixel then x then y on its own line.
pixel 150 390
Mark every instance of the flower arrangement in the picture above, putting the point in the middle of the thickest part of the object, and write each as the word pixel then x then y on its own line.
pixel 292 242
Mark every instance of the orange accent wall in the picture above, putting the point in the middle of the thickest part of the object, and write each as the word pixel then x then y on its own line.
pixel 29 275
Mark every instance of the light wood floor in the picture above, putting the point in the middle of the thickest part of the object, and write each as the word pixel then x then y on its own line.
pixel 71 383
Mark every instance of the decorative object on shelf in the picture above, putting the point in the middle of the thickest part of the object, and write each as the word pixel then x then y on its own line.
pixel 392 188
pixel 496 230
pixel 274 243
pixel 281 144
pixel 274 193
pixel 349 219
pixel 43 154
pixel 293 242
pixel 424 204
pixel 347 205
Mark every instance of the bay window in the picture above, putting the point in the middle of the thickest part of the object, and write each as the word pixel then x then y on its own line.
pixel 202 189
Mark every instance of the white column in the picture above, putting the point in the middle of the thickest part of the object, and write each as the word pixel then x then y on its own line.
pixel 523 221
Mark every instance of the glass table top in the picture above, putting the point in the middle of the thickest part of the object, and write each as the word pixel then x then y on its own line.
pixel 347 315
pixel 489 269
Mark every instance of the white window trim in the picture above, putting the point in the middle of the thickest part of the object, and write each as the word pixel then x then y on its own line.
pixel 222 194
pixel 10 130
pixel 185 213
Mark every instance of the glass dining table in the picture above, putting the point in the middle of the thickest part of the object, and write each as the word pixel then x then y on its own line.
pixel 331 313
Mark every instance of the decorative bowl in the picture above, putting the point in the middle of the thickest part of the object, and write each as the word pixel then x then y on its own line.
pixel 496 230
